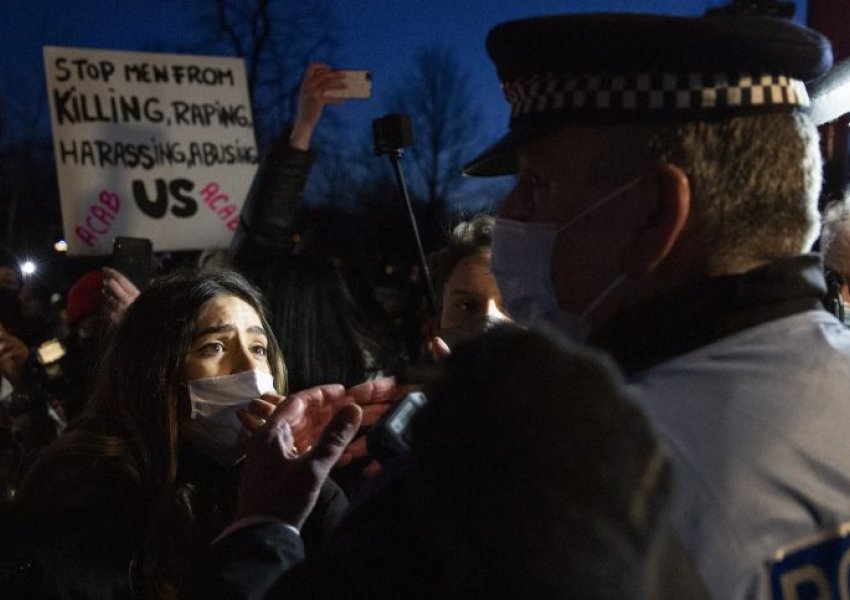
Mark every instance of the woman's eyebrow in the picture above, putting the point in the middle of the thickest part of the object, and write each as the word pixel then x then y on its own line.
pixel 226 328
pixel 258 330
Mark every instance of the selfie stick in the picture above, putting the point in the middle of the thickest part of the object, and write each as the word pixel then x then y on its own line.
pixel 392 132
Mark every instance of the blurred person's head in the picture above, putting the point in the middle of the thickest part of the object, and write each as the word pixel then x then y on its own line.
pixel 540 473
pixel 84 306
pixel 467 293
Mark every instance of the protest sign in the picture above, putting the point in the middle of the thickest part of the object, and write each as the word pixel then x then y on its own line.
pixel 159 146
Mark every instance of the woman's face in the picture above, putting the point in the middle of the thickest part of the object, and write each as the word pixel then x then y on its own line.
pixel 228 338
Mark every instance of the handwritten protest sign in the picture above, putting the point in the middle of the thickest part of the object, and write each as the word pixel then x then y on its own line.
pixel 149 145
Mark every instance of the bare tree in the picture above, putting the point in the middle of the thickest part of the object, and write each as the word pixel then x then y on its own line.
pixel 277 41
pixel 446 124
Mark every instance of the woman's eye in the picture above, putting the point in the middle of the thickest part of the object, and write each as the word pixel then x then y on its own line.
pixel 467 306
pixel 212 348
pixel 260 350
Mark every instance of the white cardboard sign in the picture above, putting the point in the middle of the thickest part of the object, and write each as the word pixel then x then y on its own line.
pixel 159 146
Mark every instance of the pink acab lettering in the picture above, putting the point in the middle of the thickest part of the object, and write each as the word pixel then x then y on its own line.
pixel 99 218
pixel 221 204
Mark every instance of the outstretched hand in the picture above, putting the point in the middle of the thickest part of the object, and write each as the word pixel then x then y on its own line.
pixel 308 418
pixel 279 481
pixel 312 98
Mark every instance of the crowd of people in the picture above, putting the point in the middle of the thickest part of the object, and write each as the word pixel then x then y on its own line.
pixel 635 382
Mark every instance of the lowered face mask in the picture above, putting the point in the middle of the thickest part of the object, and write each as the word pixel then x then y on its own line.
pixel 522 264
pixel 213 427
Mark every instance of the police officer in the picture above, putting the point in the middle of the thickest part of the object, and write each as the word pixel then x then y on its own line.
pixel 666 195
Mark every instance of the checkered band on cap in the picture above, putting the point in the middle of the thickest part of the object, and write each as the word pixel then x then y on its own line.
pixel 653 92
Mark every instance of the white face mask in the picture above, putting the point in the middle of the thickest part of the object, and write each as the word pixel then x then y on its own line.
pixel 522 263
pixel 213 428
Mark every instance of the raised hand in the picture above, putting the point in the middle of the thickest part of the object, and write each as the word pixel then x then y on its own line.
pixel 120 293
pixel 312 98
pixel 279 481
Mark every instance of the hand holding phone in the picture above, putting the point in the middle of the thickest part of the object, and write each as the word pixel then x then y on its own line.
pixel 120 293
pixel 357 84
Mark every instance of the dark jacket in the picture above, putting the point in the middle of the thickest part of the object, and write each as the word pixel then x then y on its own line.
pixel 84 536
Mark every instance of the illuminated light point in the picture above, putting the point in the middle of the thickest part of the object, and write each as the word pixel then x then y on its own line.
pixel 28 267
pixel 61 246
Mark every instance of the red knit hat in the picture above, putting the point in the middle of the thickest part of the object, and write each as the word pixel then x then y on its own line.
pixel 85 297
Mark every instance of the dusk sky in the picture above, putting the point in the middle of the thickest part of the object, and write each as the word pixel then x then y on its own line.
pixel 381 35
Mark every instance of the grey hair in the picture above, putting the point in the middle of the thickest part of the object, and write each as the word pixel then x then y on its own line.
pixel 754 181
pixel 835 237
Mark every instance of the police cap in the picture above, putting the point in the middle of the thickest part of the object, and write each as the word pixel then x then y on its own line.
pixel 830 93
pixel 616 68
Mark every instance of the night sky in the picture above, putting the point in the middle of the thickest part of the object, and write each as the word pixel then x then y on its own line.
pixel 381 35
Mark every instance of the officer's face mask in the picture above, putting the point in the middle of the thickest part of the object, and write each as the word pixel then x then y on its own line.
pixel 213 427
pixel 522 263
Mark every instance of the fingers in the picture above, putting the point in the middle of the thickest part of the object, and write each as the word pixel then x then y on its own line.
pixel 258 411
pixel 118 286
pixel 373 413
pixel 439 349
pixel 356 449
pixel 331 394
pixel 314 68
pixel 251 421
pixel 320 77
pixel 334 439
pixel 291 410
pixel 374 391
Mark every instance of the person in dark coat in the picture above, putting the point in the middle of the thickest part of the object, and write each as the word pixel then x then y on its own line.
pixel 148 474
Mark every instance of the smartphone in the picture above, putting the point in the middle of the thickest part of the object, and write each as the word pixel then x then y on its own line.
pixel 133 258
pixel 50 351
pixel 358 84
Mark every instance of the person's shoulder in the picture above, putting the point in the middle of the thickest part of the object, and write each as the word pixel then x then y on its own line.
pixel 65 484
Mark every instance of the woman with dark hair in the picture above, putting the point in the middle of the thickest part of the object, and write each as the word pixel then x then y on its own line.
pixel 327 336
pixel 323 311
pixel 146 476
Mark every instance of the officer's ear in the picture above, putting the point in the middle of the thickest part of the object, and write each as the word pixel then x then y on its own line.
pixel 666 203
